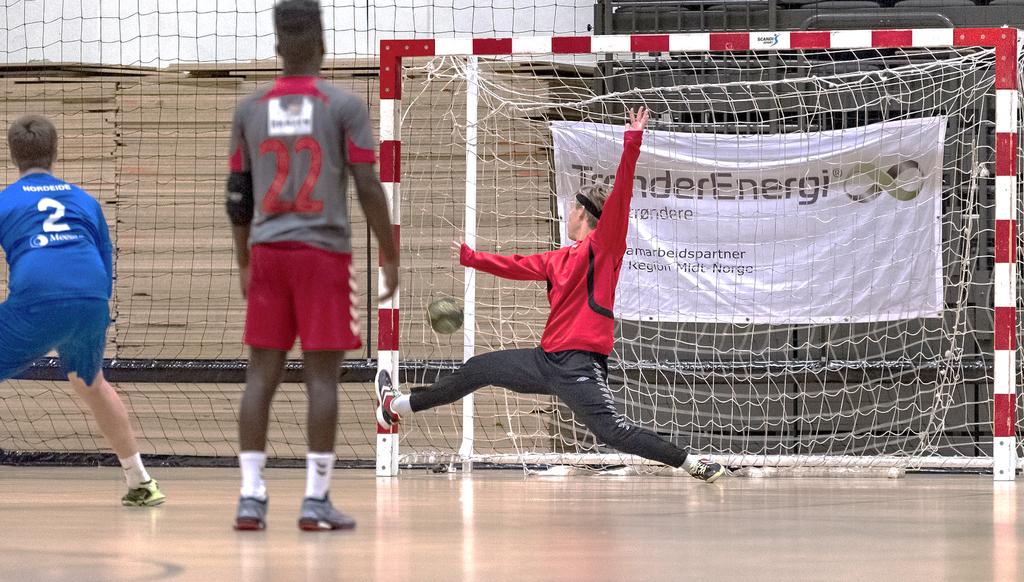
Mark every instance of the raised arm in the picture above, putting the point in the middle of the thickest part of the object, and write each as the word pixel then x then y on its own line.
pixel 515 267
pixel 614 223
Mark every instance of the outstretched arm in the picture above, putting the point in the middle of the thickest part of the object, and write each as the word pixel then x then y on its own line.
pixel 516 267
pixel 614 223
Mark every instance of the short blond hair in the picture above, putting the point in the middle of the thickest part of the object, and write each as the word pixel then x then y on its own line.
pixel 597 194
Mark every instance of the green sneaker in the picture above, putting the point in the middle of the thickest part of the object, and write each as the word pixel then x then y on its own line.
pixel 146 495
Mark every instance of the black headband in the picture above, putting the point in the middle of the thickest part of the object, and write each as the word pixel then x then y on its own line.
pixel 586 203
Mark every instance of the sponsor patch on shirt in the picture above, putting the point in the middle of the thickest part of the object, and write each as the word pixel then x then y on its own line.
pixel 41 240
pixel 290 115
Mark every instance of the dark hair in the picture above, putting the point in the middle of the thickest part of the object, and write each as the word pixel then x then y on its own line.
pixel 32 140
pixel 300 31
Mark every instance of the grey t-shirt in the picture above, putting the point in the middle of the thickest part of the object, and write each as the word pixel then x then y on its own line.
pixel 296 137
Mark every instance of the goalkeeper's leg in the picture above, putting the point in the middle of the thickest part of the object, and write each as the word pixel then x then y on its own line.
pixel 582 384
pixel 518 370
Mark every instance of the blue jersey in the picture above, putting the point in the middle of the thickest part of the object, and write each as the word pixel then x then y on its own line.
pixel 56 241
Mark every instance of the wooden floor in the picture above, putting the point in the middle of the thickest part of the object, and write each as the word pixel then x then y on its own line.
pixel 65 524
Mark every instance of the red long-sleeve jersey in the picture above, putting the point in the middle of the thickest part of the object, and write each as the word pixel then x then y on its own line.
pixel 581 278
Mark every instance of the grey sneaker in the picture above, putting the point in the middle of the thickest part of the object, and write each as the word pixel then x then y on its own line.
pixel 707 471
pixel 319 515
pixel 252 514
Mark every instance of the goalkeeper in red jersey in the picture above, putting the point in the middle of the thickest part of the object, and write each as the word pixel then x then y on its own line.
pixel 572 360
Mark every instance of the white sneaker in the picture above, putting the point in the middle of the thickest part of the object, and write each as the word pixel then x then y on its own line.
pixel 707 471
pixel 386 394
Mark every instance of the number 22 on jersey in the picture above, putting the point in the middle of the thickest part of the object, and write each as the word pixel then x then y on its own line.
pixel 303 203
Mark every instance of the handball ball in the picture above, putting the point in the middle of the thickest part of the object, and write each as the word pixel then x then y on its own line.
pixel 445 315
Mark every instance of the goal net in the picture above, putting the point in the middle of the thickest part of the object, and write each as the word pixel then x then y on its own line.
pixel 814 262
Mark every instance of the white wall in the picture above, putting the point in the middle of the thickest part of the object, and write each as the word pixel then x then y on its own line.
pixel 160 32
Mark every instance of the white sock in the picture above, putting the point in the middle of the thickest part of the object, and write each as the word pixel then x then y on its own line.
pixel 252 463
pixel 690 463
pixel 318 474
pixel 134 472
pixel 401 406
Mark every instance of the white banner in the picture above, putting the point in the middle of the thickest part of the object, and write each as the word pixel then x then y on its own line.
pixel 826 227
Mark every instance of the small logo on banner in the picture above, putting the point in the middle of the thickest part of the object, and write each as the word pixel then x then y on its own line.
pixel 291 115
pixel 902 181
pixel 39 241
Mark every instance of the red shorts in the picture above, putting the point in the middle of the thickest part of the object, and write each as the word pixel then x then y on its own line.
pixel 298 289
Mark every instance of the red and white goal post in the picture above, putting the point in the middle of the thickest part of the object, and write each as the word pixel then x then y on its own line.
pixel 924 393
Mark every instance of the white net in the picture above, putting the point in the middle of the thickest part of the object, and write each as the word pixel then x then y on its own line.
pixel 904 379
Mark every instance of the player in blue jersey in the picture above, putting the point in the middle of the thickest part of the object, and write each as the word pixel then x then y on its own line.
pixel 61 272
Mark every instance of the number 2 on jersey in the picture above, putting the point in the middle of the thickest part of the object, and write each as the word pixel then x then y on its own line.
pixel 51 224
pixel 303 203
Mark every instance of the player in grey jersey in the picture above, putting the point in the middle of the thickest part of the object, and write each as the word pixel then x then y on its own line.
pixel 293 145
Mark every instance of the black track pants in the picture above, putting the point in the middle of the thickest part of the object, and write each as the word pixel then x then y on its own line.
pixel 579 379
